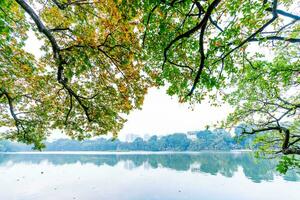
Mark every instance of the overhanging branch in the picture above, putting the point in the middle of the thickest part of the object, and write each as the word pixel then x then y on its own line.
pixel 193 30
pixel 56 54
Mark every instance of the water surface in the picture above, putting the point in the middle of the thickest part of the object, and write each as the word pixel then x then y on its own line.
pixel 144 176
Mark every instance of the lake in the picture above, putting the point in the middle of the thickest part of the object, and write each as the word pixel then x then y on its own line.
pixel 143 176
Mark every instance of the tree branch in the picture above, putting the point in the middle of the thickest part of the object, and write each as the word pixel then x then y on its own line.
pixel 286 14
pixel 193 30
pixel 274 17
pixel 56 54
pixel 147 24
pixel 17 121
pixel 292 40
pixel 202 59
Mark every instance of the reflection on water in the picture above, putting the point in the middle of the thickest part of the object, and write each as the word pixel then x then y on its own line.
pixel 131 176
pixel 225 164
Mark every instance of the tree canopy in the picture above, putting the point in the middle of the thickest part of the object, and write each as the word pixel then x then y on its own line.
pixel 245 53
pixel 87 78
pixel 99 58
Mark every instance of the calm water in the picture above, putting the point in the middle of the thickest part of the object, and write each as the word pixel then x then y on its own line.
pixel 206 175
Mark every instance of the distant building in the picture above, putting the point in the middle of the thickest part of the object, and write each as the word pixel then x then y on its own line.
pixel 192 135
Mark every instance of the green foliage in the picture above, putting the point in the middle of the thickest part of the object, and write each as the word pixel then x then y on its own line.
pixel 88 77
pixel 178 60
pixel 243 53
pixel 288 162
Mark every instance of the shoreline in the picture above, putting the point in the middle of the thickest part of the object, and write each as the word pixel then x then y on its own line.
pixel 125 152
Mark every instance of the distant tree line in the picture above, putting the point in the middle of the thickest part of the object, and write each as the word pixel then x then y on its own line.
pixel 205 140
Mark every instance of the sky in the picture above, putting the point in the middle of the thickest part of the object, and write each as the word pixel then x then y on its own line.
pixel 162 114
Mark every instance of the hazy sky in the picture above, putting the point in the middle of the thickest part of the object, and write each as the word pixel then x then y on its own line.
pixel 162 114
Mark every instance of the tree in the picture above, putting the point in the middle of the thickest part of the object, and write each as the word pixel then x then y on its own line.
pixel 267 100
pixel 87 78
pixel 245 53
pixel 175 142
pixel 197 46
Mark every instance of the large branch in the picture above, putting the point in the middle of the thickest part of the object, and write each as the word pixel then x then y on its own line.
pixel 41 27
pixel 287 146
pixel 202 59
pixel 254 131
pixel 286 14
pixel 279 38
pixel 193 30
pixel 11 108
pixel 17 121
